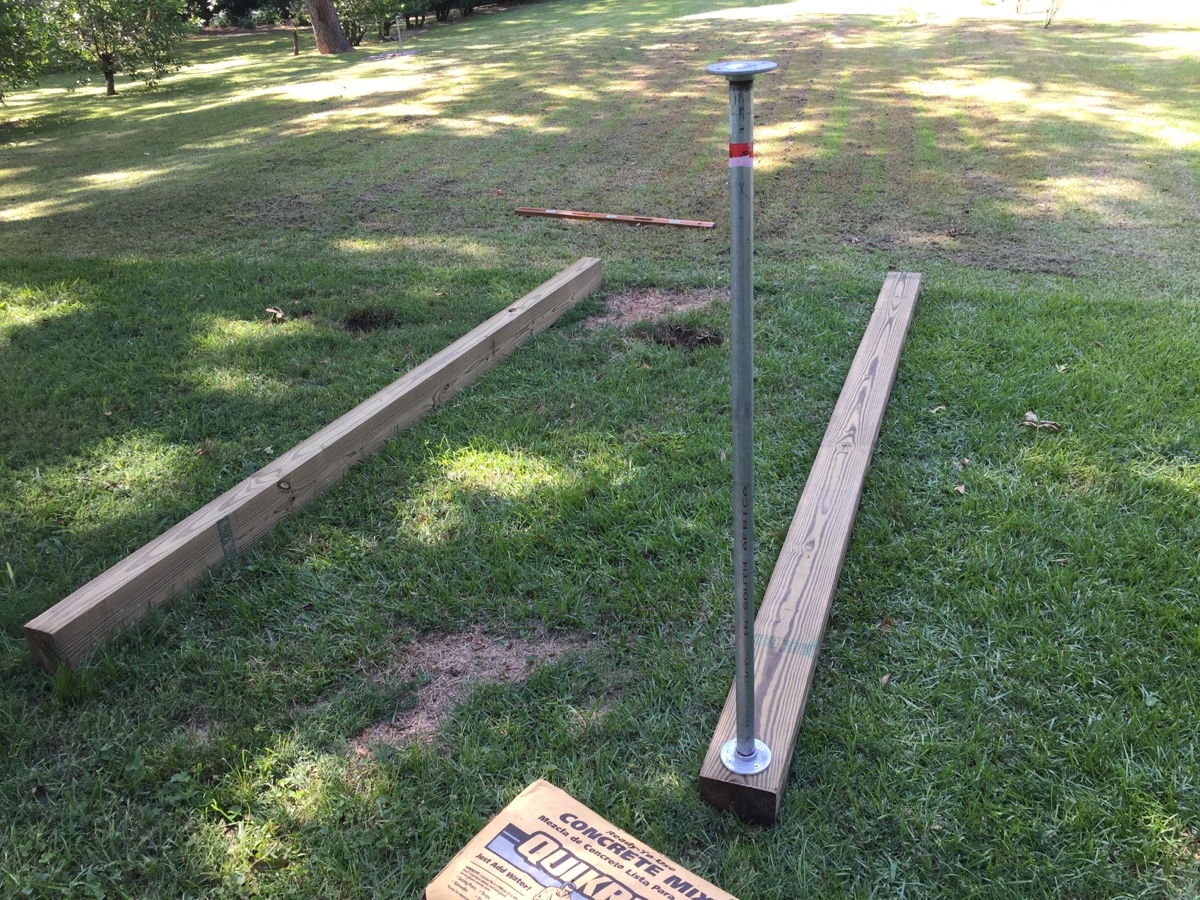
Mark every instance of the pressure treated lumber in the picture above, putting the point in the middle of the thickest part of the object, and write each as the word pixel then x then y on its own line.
pixel 611 217
pixel 791 620
pixel 69 631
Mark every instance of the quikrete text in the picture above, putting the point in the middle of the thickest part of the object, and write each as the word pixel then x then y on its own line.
pixel 545 852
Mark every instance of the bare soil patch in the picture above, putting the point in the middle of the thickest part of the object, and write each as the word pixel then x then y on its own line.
pixel 454 665
pixel 370 320
pixel 638 304
pixel 685 336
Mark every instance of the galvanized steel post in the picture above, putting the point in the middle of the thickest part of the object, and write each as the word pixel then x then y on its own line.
pixel 745 754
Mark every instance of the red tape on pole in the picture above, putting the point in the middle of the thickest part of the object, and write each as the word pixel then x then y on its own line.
pixel 741 155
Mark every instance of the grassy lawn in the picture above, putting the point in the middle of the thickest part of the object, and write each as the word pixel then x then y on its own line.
pixel 1032 596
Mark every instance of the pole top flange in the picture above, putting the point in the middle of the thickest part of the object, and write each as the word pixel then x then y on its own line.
pixel 741 69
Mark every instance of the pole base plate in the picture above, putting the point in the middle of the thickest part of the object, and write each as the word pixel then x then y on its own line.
pixel 745 765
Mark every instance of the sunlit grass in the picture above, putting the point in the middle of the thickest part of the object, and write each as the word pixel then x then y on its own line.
pixel 1039 628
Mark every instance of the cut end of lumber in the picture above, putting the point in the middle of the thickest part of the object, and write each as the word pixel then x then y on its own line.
pixel 41 649
pixel 744 800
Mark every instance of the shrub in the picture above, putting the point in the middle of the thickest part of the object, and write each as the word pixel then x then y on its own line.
pixel 357 16
pixel 261 17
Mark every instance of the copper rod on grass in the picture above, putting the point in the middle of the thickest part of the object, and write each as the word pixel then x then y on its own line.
pixel 611 217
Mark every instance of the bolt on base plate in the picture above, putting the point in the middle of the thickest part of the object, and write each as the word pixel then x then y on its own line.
pixel 745 765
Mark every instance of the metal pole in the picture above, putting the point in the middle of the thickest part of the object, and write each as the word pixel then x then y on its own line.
pixel 745 754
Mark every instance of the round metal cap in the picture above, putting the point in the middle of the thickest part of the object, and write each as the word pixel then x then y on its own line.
pixel 741 69
pixel 745 765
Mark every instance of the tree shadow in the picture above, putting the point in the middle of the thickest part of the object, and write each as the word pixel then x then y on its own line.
pixel 980 142
pixel 935 145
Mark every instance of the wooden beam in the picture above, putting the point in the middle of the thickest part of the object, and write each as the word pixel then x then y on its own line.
pixel 611 217
pixel 795 608
pixel 171 563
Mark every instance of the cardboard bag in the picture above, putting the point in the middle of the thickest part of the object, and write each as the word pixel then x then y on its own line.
pixel 547 846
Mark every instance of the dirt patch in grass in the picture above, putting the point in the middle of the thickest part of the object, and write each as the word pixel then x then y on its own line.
pixel 685 336
pixel 370 320
pixel 639 304
pixel 454 664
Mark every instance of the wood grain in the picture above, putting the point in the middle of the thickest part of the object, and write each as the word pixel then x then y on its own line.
pixel 71 630
pixel 791 620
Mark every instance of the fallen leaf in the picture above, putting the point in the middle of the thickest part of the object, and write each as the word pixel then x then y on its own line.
pixel 279 314
pixel 887 624
pixel 939 408
pixel 40 795
pixel 886 678
pixel 205 448
pixel 965 461
pixel 308 607
pixel 1061 367
pixel 961 488
pixel 722 456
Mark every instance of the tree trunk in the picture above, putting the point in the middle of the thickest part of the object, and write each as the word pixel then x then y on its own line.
pixel 111 90
pixel 326 28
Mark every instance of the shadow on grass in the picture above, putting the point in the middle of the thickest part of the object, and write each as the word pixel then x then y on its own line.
pixel 980 143
pixel 1024 733
pixel 163 385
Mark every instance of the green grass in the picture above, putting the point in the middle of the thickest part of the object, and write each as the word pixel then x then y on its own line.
pixel 1036 735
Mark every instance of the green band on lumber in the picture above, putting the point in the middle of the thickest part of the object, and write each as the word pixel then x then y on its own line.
pixel 791 646
pixel 228 544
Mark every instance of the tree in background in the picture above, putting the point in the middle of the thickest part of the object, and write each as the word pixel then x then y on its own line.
pixel 326 27
pixel 360 16
pixel 25 43
pixel 414 12
pixel 135 37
